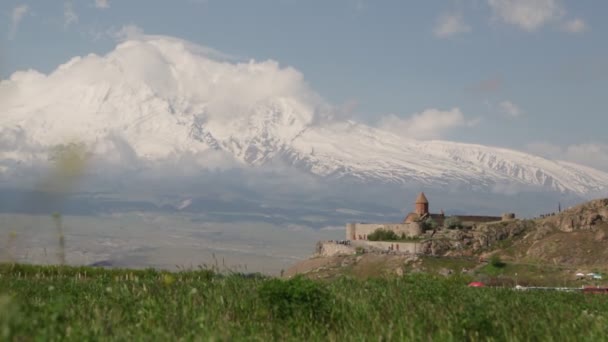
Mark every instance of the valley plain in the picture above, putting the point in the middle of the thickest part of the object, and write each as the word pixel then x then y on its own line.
pixel 170 242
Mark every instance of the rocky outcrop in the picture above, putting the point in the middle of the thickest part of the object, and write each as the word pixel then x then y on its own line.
pixel 436 246
pixel 489 234
pixel 589 216
pixel 586 216
pixel 484 236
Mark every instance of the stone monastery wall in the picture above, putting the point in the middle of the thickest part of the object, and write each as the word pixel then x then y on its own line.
pixel 333 248
pixel 478 219
pixel 360 231
pixel 403 247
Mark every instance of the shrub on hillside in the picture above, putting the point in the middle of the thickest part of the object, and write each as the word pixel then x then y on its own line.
pixel 496 261
pixel 296 298
pixel 453 222
pixel 429 224
pixel 383 235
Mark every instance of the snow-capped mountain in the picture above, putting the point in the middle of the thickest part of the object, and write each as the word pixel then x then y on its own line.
pixel 156 100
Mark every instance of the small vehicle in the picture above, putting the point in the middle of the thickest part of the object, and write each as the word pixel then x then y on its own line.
pixel 476 284
pixel 593 289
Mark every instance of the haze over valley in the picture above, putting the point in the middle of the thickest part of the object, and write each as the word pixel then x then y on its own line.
pixel 160 151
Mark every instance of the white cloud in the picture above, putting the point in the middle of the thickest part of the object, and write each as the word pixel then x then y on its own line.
pixel 450 24
pixel 183 82
pixel 16 17
pixel 69 15
pixel 544 149
pixel 430 124
pixel 528 15
pixel 126 32
pixel 591 154
pixel 102 4
pixel 121 34
pixel 575 26
pixel 134 32
pixel 510 109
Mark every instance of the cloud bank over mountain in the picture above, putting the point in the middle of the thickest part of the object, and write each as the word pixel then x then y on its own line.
pixel 144 99
pixel 162 108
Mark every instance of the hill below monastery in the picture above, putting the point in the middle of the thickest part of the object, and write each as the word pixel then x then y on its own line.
pixel 550 249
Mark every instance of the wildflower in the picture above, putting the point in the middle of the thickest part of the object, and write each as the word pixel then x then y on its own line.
pixel 193 291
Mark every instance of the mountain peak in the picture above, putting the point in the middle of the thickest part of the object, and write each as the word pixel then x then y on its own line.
pixel 157 98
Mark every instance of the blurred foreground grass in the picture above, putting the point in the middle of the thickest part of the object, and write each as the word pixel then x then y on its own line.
pixel 68 303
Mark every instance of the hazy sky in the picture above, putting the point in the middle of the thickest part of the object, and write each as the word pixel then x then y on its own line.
pixel 525 74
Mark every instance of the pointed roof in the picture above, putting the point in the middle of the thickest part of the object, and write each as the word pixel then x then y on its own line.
pixel 421 199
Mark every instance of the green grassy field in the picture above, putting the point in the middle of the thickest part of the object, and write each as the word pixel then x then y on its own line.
pixel 64 303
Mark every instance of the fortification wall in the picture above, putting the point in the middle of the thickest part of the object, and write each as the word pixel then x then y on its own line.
pixel 508 216
pixel 404 247
pixel 360 231
pixel 351 230
pixel 332 248
pixel 478 219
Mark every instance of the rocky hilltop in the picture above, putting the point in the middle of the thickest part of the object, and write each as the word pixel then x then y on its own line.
pixel 574 239
pixel 588 216
pixel 583 223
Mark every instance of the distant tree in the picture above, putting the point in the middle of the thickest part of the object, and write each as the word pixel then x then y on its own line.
pixel 453 222
pixel 429 224
pixel 383 235
pixel 496 261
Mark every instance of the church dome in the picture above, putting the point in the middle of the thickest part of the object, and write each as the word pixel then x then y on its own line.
pixel 421 199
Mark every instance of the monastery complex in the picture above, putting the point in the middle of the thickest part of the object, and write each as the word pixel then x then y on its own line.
pixel 414 224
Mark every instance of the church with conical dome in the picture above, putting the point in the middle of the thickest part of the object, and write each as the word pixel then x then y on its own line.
pixel 414 223
pixel 421 209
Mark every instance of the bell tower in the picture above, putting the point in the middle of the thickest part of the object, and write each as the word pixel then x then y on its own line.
pixel 422 204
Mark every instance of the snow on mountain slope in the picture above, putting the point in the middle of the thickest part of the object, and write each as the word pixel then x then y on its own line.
pixel 354 149
pixel 158 99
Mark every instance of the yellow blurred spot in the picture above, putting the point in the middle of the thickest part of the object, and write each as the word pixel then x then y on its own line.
pixel 70 162
pixel 70 159
pixel 168 279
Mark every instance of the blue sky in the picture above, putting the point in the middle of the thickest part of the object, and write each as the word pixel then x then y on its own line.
pixel 524 74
